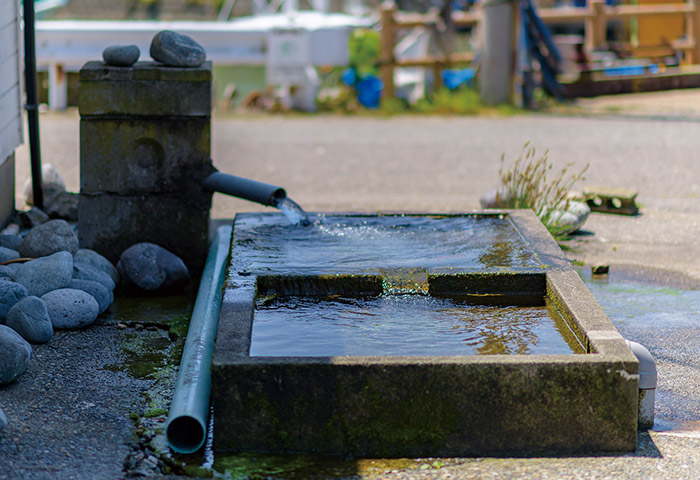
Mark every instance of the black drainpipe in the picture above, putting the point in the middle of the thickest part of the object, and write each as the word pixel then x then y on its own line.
pixel 32 105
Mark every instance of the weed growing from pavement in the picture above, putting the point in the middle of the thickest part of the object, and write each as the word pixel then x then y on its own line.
pixel 528 183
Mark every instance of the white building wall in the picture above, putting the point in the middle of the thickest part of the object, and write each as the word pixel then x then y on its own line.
pixel 10 104
pixel 10 111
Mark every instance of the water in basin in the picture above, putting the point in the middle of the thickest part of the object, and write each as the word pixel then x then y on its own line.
pixel 401 325
pixel 360 242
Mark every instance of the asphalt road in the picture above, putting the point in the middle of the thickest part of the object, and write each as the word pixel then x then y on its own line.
pixel 444 164
pixel 430 164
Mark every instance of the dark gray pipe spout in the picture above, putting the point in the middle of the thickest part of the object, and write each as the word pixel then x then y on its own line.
pixel 244 188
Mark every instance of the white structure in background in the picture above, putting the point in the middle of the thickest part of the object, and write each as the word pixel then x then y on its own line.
pixel 298 41
pixel 411 82
pixel 290 44
pixel 10 103
pixel 289 66
pixel 267 7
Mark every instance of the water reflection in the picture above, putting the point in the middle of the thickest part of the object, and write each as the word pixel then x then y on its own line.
pixel 503 251
pixel 501 330
pixel 398 325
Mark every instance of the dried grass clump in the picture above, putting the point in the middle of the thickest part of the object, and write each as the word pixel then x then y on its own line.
pixel 531 183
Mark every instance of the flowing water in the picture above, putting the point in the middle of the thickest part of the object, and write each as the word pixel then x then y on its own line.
pixel 354 243
pixel 400 325
pixel 293 211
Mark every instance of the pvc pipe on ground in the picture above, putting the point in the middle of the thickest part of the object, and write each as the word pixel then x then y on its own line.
pixel 647 384
pixel 187 421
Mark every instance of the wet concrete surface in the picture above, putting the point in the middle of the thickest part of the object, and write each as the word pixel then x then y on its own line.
pixel 69 416
pixel 666 320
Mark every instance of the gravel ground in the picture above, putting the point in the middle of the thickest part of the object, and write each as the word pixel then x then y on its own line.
pixel 69 416
pixel 74 421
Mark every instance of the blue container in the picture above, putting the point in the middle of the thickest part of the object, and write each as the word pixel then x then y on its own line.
pixel 453 79
pixel 369 91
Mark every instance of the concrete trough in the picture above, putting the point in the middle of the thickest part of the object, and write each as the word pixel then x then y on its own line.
pixel 435 405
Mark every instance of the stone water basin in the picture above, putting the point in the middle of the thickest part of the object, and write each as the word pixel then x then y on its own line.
pixel 415 335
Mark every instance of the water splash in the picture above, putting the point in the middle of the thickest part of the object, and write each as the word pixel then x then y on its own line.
pixel 357 243
pixel 293 211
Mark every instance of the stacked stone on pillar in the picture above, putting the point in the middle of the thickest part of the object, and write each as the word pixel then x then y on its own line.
pixel 145 148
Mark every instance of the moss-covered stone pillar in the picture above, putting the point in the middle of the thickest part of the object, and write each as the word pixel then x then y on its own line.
pixel 145 147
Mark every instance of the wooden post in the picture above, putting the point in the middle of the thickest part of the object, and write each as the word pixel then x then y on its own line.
pixel 388 37
pixel 693 32
pixel 588 27
pixel 602 27
pixel 58 87
pixel 516 78
pixel 438 67
pixel 595 25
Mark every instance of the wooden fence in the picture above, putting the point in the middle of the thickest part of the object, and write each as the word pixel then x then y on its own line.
pixel 594 17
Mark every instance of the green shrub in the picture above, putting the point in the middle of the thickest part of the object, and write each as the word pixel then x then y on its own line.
pixel 463 101
pixel 364 48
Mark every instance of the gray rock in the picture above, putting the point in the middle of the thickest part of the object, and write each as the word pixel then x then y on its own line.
pixel 11 229
pixel 86 272
pixel 71 309
pixel 121 55
pixel 3 420
pixel 563 222
pixel 7 273
pixel 8 254
pixel 103 296
pixel 47 238
pixel 15 353
pixel 153 268
pixel 10 241
pixel 570 220
pixel 85 256
pixel 177 50
pixel 45 274
pixel 51 192
pixel 64 206
pixel 13 267
pixel 10 294
pixel 30 318
pixel 580 209
pixel 51 182
pixel 32 217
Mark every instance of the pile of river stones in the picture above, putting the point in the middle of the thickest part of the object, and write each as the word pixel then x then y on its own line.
pixel 48 283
